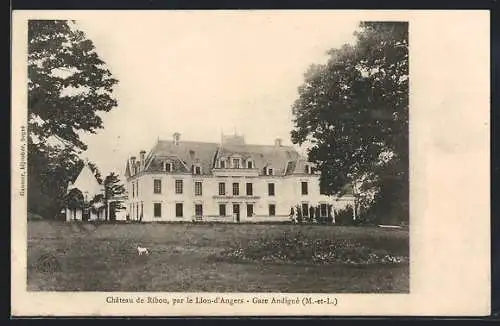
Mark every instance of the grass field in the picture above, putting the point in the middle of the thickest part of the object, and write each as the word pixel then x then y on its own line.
pixel 187 258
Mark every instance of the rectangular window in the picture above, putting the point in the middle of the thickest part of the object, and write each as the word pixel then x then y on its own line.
pixel 305 210
pixel 198 188
pixel 323 210
pixel 137 188
pixel 198 210
pixel 250 165
pixel 157 209
pixel 304 188
pixel 178 210
pixel 197 170
pixel 222 188
pixel 157 186
pixel 270 189
pixel 133 190
pixel 236 189
pixel 236 163
pixel 168 167
pixel 249 189
pixel 178 186
pixel 272 210
pixel 222 209
pixel 249 210
pixel 270 171
pixel 222 164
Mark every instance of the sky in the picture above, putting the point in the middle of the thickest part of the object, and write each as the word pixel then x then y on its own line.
pixel 203 74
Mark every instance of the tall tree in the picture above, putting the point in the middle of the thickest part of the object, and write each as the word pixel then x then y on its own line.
pixel 68 85
pixel 113 188
pixel 49 171
pixel 352 112
pixel 93 167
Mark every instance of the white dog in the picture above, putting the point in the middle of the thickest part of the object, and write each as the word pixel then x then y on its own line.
pixel 142 250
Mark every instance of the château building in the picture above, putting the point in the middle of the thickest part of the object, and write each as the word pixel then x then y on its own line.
pixel 228 181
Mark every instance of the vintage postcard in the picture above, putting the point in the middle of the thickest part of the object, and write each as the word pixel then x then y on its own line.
pixel 230 163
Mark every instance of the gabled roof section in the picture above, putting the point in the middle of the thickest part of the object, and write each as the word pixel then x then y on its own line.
pixel 86 182
pixel 183 155
pixel 290 167
pixel 275 157
pixel 127 170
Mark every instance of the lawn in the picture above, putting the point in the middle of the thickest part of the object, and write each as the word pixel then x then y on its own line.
pixel 200 258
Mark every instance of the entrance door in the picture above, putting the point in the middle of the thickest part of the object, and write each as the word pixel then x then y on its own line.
pixel 112 211
pixel 85 214
pixel 236 211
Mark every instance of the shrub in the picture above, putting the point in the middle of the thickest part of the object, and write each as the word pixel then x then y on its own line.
pixel 297 248
pixel 344 216
pixel 34 217
pixel 299 214
pixel 365 218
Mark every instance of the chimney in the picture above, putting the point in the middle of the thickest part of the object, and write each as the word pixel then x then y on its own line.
pixel 278 142
pixel 177 137
pixel 142 154
pixel 233 139
pixel 132 165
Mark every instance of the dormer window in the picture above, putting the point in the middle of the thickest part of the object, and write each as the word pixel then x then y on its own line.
pixel 236 163
pixel 167 167
pixel 222 164
pixel 249 165
pixel 309 169
pixel 268 171
pixel 196 169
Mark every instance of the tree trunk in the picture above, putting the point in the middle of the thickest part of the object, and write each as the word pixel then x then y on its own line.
pixel 106 210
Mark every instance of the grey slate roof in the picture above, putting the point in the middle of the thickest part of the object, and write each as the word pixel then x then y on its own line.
pixel 284 160
pixel 275 157
pixel 184 155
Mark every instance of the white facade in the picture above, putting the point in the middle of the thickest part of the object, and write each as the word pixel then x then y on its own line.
pixel 287 194
pixel 88 185
pixel 166 193
pixel 77 215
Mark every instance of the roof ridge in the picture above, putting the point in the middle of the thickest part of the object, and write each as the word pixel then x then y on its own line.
pixel 186 141
pixel 218 143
